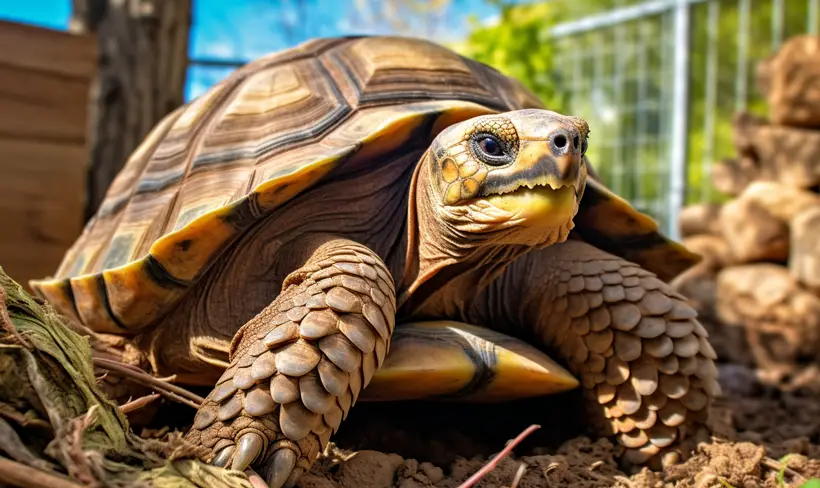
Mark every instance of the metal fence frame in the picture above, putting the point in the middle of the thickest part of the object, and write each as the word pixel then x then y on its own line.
pixel 681 66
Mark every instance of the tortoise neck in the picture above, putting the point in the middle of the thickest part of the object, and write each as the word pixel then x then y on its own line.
pixel 441 259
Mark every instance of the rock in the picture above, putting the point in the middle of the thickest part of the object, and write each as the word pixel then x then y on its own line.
pixel 791 81
pixel 732 176
pixel 781 319
pixel 752 232
pixel 701 218
pixel 804 255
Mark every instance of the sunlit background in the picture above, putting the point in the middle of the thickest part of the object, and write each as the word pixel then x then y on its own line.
pixel 658 80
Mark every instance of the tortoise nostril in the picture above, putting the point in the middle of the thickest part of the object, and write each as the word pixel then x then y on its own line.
pixel 560 141
pixel 575 142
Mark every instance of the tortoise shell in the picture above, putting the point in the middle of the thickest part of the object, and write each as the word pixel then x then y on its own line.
pixel 216 166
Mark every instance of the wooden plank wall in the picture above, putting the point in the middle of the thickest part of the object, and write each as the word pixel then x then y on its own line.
pixel 45 78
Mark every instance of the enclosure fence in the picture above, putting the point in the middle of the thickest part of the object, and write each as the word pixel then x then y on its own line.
pixel 659 82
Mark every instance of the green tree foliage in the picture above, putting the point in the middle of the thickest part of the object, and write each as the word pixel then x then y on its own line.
pixel 518 44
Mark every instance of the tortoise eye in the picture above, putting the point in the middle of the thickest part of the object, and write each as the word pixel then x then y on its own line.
pixel 491 146
pixel 490 149
pixel 584 146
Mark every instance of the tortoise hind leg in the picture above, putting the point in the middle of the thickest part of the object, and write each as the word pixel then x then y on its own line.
pixel 643 358
pixel 299 365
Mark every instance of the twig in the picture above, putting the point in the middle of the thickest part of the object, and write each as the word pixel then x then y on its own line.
pixel 79 467
pixel 23 420
pixel 724 482
pixel 518 475
pixel 491 465
pixel 169 390
pixel 27 477
pixel 783 465
pixel 139 403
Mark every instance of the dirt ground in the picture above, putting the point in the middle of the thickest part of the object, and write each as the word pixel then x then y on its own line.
pixel 415 445
pixel 419 445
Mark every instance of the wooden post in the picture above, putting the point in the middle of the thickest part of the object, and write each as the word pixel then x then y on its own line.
pixel 143 59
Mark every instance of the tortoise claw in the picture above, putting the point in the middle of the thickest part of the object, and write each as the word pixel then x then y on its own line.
pixel 223 456
pixel 280 467
pixel 250 446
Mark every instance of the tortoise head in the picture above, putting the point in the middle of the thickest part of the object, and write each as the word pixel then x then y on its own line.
pixel 511 178
pixel 491 184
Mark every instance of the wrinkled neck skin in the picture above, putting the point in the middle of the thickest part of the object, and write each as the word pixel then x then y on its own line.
pixel 455 251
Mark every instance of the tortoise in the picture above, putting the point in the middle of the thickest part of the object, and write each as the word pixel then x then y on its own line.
pixel 271 237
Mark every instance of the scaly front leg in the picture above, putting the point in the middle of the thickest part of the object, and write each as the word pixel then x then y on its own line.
pixel 645 364
pixel 299 365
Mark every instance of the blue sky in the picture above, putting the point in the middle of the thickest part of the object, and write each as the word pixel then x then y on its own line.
pixel 246 29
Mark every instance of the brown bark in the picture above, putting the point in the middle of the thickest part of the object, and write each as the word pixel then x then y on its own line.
pixel 780 318
pixel 753 233
pixel 804 259
pixel 791 81
pixel 143 61
pixel 732 176
pixel 701 218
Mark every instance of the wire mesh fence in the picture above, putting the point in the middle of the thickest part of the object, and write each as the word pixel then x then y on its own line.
pixel 660 81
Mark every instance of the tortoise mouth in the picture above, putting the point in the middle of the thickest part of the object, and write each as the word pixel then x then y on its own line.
pixel 544 187
pixel 542 181
pixel 539 205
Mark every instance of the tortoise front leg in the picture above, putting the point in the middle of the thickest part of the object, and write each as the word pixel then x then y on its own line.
pixel 298 366
pixel 643 358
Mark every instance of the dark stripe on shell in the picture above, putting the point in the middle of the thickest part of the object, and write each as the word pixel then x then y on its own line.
pixel 113 205
pixel 69 294
pixel 245 212
pixel 149 185
pixel 103 291
pixel 159 275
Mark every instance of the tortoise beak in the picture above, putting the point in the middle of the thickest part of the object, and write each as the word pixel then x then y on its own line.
pixel 458 362
pixel 543 186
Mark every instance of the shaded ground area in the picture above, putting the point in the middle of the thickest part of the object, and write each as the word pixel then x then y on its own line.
pixel 760 425
pixel 420 444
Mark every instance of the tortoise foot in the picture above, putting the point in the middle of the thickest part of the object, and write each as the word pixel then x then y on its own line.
pixel 298 366
pixel 259 442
